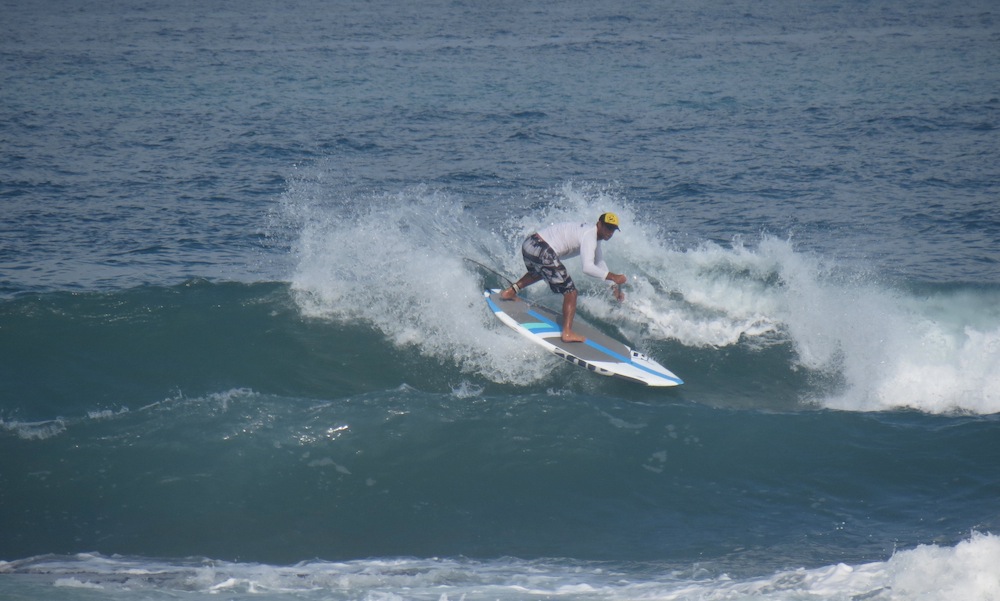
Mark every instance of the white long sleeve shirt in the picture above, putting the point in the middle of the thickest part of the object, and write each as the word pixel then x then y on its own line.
pixel 572 239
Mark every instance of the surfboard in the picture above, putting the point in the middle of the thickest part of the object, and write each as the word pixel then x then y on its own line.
pixel 600 353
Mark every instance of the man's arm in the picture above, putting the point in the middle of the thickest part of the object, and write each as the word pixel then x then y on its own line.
pixel 591 257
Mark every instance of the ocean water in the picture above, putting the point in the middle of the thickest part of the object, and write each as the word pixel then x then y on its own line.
pixel 244 353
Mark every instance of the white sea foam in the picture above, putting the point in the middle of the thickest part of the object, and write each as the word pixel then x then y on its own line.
pixel 39 430
pixel 966 571
pixel 927 573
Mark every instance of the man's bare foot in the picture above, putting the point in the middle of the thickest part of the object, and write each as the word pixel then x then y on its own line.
pixel 508 294
pixel 572 337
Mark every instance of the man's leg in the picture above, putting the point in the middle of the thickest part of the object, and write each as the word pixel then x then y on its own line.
pixel 569 312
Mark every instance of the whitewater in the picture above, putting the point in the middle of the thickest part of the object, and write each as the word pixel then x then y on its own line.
pixel 873 342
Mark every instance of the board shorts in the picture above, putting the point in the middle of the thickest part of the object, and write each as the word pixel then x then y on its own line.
pixel 542 260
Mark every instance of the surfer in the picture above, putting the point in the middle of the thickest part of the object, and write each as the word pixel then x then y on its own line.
pixel 542 253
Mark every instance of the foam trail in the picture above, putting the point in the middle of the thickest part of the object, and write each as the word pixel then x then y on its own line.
pixel 926 573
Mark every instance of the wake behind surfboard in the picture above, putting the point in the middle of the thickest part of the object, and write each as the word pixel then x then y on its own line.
pixel 600 353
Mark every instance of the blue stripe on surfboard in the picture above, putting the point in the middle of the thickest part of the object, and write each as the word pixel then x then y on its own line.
pixel 543 319
pixel 538 327
pixel 546 326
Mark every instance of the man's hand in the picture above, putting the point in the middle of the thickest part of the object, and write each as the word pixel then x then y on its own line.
pixel 618 279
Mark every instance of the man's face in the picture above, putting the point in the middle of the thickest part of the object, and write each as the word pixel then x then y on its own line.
pixel 604 232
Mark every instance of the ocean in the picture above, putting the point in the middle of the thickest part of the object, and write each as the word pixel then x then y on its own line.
pixel 244 352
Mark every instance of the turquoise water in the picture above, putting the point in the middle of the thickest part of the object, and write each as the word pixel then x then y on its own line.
pixel 242 352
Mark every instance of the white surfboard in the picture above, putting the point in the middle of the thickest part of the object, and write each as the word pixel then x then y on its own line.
pixel 600 353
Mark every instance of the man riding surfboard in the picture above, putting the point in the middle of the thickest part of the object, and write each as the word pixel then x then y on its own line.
pixel 543 251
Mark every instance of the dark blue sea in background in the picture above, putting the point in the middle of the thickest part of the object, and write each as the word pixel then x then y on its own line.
pixel 243 355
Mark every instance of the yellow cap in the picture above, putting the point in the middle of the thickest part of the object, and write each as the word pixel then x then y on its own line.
pixel 610 220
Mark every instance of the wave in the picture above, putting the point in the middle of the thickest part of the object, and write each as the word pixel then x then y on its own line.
pixel 379 294
pixel 395 261
pixel 926 573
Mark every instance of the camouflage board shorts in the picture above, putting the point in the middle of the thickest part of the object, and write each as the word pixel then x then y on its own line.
pixel 541 260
